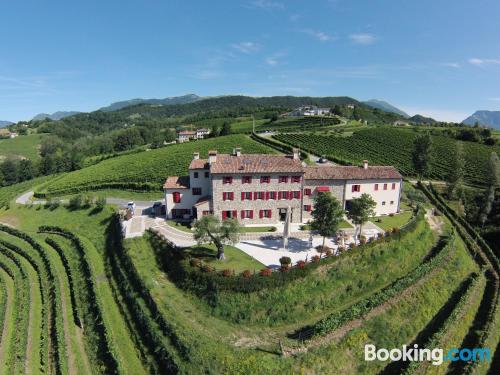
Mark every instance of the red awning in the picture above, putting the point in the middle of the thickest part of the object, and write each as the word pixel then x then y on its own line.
pixel 322 189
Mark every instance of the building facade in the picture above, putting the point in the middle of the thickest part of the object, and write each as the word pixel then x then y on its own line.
pixel 258 189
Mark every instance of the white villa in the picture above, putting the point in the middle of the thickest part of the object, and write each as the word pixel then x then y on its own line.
pixel 259 189
pixel 187 135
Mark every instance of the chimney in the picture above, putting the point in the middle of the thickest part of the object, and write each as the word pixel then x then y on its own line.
pixel 365 164
pixel 296 153
pixel 196 155
pixel 212 156
pixel 237 151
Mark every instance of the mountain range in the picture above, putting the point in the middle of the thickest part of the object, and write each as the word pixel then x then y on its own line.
pixel 55 116
pixel 384 106
pixel 4 124
pixel 184 99
pixel 491 118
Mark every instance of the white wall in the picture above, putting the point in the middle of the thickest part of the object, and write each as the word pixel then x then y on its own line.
pixel 380 196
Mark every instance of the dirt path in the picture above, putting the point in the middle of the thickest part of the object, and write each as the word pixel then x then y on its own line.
pixel 8 318
pixel 435 222
pixel 67 341
pixel 29 342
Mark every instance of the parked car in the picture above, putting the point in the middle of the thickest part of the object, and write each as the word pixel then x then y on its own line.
pixel 131 207
pixel 323 160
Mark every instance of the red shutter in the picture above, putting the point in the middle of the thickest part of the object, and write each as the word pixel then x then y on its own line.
pixel 267 195
pixel 235 214
pixel 232 196
pixel 393 186
pixel 242 196
pixel 254 195
pixel 224 215
pixel 251 214
pixel 261 214
pixel 270 213
pixel 299 195
pixel 242 214
pixel 290 195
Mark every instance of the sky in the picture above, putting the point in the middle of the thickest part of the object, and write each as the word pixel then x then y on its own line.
pixel 434 57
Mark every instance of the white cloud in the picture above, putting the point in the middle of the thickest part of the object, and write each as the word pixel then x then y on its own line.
pixel 480 62
pixel 363 38
pixel 320 35
pixel 275 58
pixel 451 65
pixel 246 47
pixel 438 113
pixel 266 5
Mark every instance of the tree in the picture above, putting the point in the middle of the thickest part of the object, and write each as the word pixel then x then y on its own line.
pixel 327 215
pixel 210 229
pixel 456 174
pixel 27 170
pixel 361 209
pixel 421 155
pixel 215 131
pixel 9 171
pixel 226 129
pixel 494 178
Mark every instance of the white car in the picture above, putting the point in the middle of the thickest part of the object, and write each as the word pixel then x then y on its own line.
pixel 131 207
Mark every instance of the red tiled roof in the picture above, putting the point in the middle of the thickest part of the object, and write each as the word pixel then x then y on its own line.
pixel 256 163
pixel 351 173
pixel 199 164
pixel 187 132
pixel 176 182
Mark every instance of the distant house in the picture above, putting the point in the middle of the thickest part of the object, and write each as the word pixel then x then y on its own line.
pixel 401 122
pixel 187 135
pixel 309 110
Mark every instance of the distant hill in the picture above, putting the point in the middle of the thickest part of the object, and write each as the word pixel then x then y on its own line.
pixel 185 99
pixel 4 124
pixel 384 106
pixel 55 116
pixel 491 118
pixel 419 119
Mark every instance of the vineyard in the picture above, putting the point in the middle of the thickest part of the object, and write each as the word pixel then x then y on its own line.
pixel 146 170
pixel 387 146
pixel 76 298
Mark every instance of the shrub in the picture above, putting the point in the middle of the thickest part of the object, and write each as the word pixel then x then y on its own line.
pixel 227 272
pixel 100 203
pixel 207 269
pixel 284 268
pixel 266 272
pixel 353 245
pixel 273 229
pixel 329 252
pixel 316 259
pixel 341 249
pixel 76 202
pixel 362 240
pixel 395 230
pixel 322 249
pixel 246 274
pixel 301 264
pixel 391 214
pixel 285 261
pixel 195 262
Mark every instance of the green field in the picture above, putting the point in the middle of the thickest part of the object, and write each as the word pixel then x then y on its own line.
pixel 148 170
pixel 389 146
pixel 24 146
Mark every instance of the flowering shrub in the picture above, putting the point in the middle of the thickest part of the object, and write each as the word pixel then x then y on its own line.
pixel 301 264
pixel 227 272
pixel 206 268
pixel 285 261
pixel 265 272
pixel 194 262
pixel 246 274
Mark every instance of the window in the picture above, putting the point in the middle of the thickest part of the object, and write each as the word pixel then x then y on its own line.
pixel 282 194
pixel 196 191
pixel 376 187
pixel 205 213
pixel 295 178
pixel 392 202
pixel 246 195
pixel 272 195
pixel 356 188
pixel 180 213
pixel 227 180
pixel 283 179
pixel 177 197
pixel 228 196
pixel 307 191
pixel 264 214
pixel 195 174
pixel 229 214
pixel 206 174
pixel 393 186
pixel 265 179
pixel 247 214
pixel 307 207
pixel 296 194
pixel 246 180
pixel 383 203
pixel 385 186
pixel 258 195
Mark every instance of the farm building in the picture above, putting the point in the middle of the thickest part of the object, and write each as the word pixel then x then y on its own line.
pixel 187 135
pixel 257 188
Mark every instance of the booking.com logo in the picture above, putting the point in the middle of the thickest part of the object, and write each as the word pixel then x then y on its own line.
pixel 415 354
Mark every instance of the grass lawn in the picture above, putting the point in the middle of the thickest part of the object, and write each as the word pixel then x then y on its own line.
pixel 235 260
pixel 181 225
pixel 343 224
pixel 389 222
pixel 24 146
pixel 257 229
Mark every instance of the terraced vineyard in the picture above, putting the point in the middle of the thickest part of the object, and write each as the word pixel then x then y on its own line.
pixel 388 146
pixel 76 298
pixel 146 170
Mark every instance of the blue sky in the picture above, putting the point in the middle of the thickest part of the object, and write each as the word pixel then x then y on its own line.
pixel 436 57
